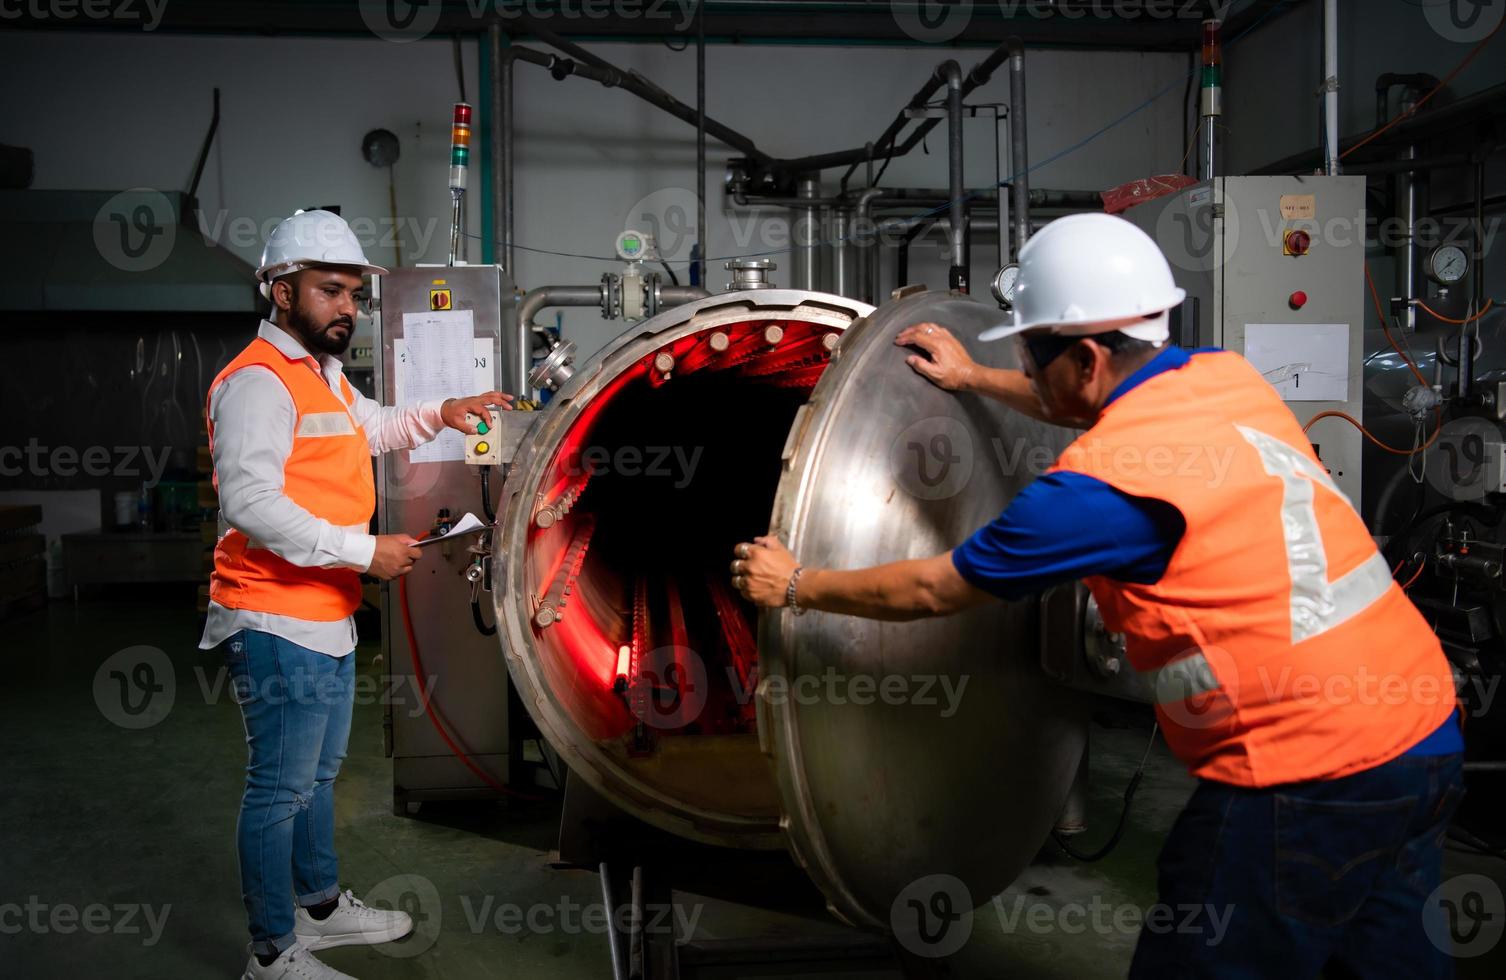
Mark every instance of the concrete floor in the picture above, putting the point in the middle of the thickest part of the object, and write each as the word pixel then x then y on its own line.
pixel 119 841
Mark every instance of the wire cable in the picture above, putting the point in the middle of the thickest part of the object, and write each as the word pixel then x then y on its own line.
pixel 1469 319
pixel 1334 413
pixel 1412 110
pixel 427 697
pixel 1380 311
pixel 1420 566
pixel 1182 167
pixel 1129 795
pixel 459 68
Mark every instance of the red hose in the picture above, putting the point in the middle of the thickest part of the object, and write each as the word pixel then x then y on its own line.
pixel 428 701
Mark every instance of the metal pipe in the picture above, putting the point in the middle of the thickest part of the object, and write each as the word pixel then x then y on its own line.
pixel 619 969
pixel 544 297
pixel 976 77
pixel 1074 816
pixel 1408 260
pixel 644 89
pixel 504 101
pixel 1001 200
pixel 1408 164
pixel 679 295
pixel 1465 112
pixel 957 206
pixel 499 119
pixel 1019 157
pixel 198 167
pixel 842 254
pixel 457 213
pixel 901 226
pixel 533 301
pixel 698 275
pixel 902 252
pixel 867 252
pixel 1331 86
pixel 804 234
pixel 1386 81
pixel 933 197
pixel 1478 274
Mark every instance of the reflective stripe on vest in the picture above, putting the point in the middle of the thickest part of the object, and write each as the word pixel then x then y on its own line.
pixel 327 473
pixel 1275 591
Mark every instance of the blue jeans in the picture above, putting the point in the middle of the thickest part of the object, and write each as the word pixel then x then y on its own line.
pixel 296 705
pixel 1327 877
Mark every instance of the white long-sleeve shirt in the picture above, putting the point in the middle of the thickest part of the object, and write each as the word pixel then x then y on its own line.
pixel 254 417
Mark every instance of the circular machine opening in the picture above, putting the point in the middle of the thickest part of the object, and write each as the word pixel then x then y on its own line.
pixel 639 635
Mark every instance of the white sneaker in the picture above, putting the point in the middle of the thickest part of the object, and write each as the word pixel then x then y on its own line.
pixel 295 963
pixel 352 921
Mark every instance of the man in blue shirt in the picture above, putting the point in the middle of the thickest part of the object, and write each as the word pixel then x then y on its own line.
pixel 1362 911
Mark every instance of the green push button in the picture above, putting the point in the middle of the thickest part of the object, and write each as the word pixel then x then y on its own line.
pixel 481 427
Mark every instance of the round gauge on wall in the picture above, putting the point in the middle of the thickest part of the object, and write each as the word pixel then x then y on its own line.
pixel 1003 284
pixel 1447 264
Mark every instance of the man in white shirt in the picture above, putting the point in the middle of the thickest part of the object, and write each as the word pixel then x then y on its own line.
pixel 292 444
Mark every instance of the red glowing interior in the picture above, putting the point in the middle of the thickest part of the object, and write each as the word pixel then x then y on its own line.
pixel 662 473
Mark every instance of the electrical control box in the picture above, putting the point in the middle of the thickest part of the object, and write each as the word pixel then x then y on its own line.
pixel 417 313
pixel 1274 268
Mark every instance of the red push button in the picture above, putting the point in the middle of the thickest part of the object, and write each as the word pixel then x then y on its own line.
pixel 1297 300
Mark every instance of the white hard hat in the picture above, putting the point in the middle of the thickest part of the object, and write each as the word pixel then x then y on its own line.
pixel 1092 273
pixel 310 238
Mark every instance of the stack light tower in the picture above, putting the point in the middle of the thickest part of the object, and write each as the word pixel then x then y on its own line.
pixel 460 164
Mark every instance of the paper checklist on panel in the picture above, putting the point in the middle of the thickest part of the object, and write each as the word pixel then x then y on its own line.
pixel 435 359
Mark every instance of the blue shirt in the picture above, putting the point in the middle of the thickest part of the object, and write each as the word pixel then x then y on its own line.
pixel 1068 526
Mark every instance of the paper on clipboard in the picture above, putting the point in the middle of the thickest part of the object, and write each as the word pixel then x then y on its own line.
pixel 466 525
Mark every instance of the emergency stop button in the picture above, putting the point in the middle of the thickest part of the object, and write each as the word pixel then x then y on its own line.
pixel 1297 300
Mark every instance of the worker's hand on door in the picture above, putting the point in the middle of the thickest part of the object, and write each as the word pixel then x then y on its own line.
pixel 394 556
pixel 945 362
pixel 761 570
pixel 454 410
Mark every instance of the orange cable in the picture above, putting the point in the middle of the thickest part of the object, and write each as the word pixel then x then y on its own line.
pixel 1181 167
pixel 1386 329
pixel 1420 566
pixel 1439 316
pixel 426 696
pixel 1369 435
pixel 1434 91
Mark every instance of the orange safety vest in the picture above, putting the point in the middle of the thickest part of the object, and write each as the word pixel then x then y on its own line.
pixel 1279 645
pixel 328 474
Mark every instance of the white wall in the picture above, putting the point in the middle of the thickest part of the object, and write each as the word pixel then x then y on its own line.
pixel 129 110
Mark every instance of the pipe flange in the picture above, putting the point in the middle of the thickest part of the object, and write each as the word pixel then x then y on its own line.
pixel 611 296
pixel 554 370
pixel 750 273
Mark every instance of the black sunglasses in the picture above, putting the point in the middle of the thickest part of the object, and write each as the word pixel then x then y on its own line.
pixel 1047 347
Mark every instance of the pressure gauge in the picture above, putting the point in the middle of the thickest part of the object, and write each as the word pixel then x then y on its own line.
pixel 1447 265
pixel 633 246
pixel 1003 284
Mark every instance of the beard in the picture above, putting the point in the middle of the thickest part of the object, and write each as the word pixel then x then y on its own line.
pixel 321 338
